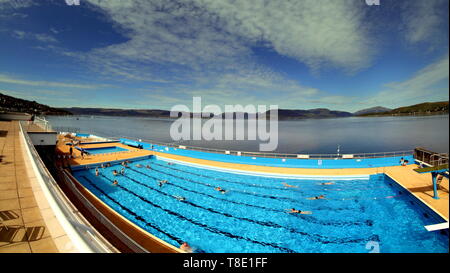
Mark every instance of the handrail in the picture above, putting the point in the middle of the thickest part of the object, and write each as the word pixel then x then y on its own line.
pixel 43 123
pixel 85 240
pixel 271 155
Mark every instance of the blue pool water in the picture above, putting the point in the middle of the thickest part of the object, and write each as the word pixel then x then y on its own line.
pixel 251 217
pixel 105 150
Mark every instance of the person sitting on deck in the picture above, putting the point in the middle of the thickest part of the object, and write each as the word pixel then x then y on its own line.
pixel 317 197
pixel 114 172
pixel 219 189
pixel 288 186
pixel 115 183
pixel 298 211
pixel 185 247
pixel 405 162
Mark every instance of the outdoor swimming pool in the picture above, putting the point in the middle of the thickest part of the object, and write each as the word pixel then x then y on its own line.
pixel 104 150
pixel 251 216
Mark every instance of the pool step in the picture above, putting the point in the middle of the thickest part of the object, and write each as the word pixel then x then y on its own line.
pixel 437 226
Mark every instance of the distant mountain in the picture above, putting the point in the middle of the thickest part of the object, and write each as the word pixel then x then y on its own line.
pixel 283 114
pixel 376 109
pixel 12 104
pixel 426 108
pixel 118 112
pixel 287 114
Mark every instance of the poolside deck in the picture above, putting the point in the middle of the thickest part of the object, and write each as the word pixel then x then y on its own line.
pixel 420 185
pixel 27 225
pixel 63 149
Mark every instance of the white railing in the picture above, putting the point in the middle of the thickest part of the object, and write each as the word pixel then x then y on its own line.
pixel 43 123
pixel 272 155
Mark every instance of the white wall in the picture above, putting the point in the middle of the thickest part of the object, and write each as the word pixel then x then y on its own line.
pixel 43 138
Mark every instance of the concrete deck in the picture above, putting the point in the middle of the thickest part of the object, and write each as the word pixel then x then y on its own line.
pixel 63 149
pixel 23 226
pixel 420 185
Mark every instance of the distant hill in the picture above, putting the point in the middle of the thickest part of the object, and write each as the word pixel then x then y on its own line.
pixel 12 104
pixel 287 114
pixel 118 112
pixel 372 110
pixel 283 114
pixel 426 108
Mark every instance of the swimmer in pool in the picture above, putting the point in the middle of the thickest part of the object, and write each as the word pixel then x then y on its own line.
pixel 114 172
pixel 115 183
pixel 161 182
pixel 180 198
pixel 139 166
pixel 185 247
pixel 288 186
pixel 122 171
pixel 219 189
pixel 317 197
pixel 96 171
pixel 327 183
pixel 298 211
pixel 170 163
pixel 148 167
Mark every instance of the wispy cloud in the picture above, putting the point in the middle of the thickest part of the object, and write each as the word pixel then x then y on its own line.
pixel 15 80
pixel 423 21
pixel 221 33
pixel 41 37
pixel 429 84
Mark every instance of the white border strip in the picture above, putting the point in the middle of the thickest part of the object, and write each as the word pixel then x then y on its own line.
pixel 272 175
pixel 68 227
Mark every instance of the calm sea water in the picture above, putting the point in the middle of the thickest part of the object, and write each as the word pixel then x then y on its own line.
pixel 353 135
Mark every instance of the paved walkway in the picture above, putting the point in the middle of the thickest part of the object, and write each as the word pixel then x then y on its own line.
pixel 22 225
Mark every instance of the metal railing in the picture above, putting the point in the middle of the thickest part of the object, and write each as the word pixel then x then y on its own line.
pixel 430 157
pixel 66 129
pixel 43 123
pixel 81 226
pixel 270 155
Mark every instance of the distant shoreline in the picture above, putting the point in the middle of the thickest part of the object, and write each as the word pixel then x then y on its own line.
pixel 281 119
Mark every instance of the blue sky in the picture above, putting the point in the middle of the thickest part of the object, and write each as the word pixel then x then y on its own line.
pixel 342 55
